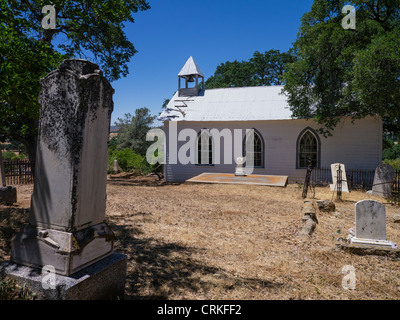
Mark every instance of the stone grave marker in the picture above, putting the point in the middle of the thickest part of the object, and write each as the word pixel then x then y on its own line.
pixel 8 194
pixel 116 166
pixel 67 228
pixel 334 169
pixel 370 219
pixel 383 181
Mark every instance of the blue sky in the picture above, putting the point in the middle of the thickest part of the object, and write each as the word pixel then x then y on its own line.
pixel 212 31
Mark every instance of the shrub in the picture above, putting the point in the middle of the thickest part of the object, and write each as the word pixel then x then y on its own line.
pixel 9 155
pixel 129 161
pixel 395 163
pixel 391 153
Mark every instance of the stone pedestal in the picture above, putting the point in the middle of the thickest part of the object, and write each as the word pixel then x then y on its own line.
pixel 66 224
pixel 103 280
pixel 67 252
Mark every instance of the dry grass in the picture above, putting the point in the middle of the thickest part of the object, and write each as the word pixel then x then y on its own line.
pixel 210 241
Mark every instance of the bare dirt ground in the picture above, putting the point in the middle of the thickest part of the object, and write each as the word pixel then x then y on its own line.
pixel 218 241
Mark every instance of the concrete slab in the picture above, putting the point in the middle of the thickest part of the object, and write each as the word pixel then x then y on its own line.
pixel 263 180
pixel 102 280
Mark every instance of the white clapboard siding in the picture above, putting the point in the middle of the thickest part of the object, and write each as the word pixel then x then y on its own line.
pixel 357 145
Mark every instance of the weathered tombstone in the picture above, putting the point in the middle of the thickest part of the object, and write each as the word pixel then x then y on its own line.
pixel 67 228
pixel 116 166
pixel 239 167
pixel 334 169
pixel 310 219
pixel 370 219
pixel 383 181
pixel 8 194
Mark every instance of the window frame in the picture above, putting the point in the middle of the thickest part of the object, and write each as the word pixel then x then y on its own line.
pixel 318 142
pixel 199 138
pixel 262 149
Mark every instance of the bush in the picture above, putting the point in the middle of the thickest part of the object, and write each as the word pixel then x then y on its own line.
pixel 129 161
pixel 394 163
pixel 392 152
pixel 9 155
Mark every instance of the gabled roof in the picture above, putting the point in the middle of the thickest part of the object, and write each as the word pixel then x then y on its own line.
pixel 190 68
pixel 229 104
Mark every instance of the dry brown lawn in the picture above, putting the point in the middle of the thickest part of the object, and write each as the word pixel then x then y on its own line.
pixel 218 241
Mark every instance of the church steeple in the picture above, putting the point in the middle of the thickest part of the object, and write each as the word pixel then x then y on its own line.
pixel 190 73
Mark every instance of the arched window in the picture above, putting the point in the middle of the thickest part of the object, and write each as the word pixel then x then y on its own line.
pixel 204 148
pixel 254 149
pixel 308 147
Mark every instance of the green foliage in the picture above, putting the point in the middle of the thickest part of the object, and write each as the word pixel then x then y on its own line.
pixel 129 161
pixel 391 151
pixel 342 72
pixel 23 61
pixel 395 163
pixel 9 155
pixel 27 52
pixel 133 130
pixel 231 74
pixel 262 69
pixel 94 26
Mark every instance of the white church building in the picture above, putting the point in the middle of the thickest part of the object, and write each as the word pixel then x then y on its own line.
pixel 209 129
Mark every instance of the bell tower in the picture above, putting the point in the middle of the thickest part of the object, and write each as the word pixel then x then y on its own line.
pixel 191 74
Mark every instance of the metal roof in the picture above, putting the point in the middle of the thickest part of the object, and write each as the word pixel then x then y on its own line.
pixel 229 104
pixel 190 68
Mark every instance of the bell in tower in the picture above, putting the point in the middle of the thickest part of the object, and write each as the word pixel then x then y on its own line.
pixel 191 74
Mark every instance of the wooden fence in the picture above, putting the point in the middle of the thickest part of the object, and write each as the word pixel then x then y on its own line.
pixel 19 171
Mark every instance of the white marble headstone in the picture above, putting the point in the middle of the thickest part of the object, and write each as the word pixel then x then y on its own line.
pixel 370 218
pixel 334 169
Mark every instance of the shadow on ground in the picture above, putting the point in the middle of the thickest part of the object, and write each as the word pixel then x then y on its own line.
pixel 159 270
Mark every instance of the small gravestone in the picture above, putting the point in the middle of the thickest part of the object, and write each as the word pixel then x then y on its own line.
pixel 239 167
pixel 116 166
pixel 67 229
pixel 383 181
pixel 334 170
pixel 8 194
pixel 370 219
